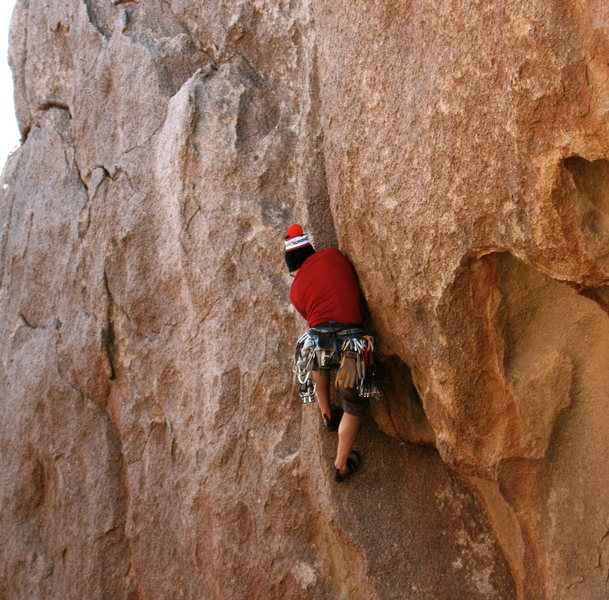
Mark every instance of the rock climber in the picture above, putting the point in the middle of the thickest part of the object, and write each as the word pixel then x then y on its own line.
pixel 325 291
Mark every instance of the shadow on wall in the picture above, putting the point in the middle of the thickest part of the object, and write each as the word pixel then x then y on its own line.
pixel 399 413
pixel 582 197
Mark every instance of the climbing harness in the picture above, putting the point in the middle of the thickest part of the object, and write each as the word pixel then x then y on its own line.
pixel 328 346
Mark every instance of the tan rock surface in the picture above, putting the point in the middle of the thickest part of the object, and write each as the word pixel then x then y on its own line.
pixel 152 444
pixel 474 139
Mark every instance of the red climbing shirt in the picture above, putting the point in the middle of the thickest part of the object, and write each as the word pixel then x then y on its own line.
pixel 326 289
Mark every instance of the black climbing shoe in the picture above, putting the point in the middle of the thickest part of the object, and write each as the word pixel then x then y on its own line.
pixel 352 465
pixel 333 423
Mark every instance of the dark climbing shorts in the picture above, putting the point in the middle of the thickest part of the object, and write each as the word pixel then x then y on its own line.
pixel 353 403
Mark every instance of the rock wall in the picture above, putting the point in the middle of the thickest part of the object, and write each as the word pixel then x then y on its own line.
pixel 152 443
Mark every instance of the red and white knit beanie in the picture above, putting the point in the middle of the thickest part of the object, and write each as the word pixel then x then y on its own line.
pixel 297 247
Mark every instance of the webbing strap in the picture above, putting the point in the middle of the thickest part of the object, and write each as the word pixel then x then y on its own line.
pixel 341 332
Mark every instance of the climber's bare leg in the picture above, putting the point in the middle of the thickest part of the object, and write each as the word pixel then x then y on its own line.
pixel 347 430
pixel 322 392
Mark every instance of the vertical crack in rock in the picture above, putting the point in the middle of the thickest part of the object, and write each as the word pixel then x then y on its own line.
pixel 318 204
pixel 108 336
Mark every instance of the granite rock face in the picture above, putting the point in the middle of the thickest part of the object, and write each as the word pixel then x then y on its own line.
pixel 152 443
